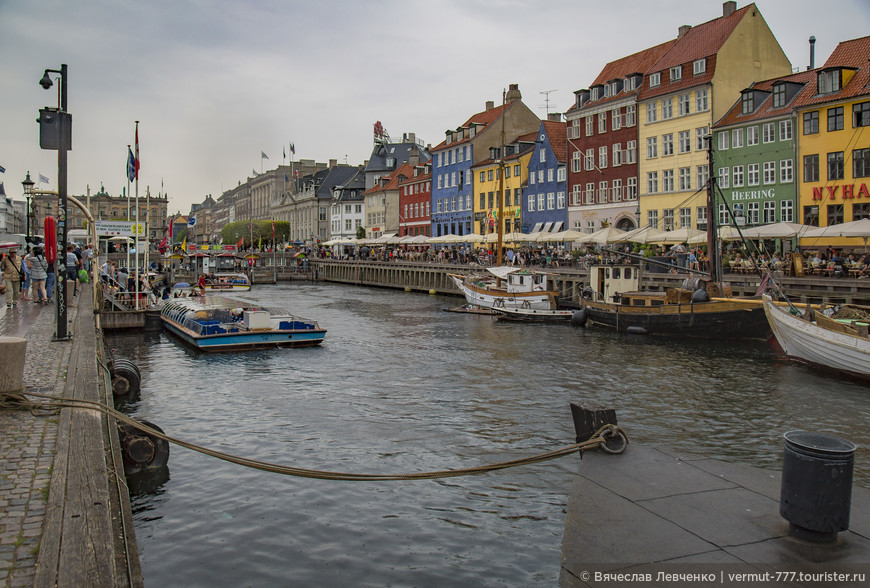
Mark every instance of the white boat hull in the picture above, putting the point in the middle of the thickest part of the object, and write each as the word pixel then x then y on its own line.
pixel 812 343
pixel 486 298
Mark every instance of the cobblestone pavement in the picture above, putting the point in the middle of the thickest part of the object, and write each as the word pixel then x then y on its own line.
pixel 28 442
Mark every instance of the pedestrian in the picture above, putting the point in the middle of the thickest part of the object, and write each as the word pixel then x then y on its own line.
pixel 87 257
pixel 49 282
pixel 25 282
pixel 38 266
pixel 11 268
pixel 73 263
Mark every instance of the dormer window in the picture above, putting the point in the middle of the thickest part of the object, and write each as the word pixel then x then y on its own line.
pixel 676 73
pixel 779 96
pixel 746 102
pixel 391 161
pixel 595 93
pixel 830 81
pixel 614 88
pixel 655 79
pixel 607 90
pixel 699 66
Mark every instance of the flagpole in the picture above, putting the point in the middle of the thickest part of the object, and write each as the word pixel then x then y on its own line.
pixel 129 215
pixel 136 232
pixel 147 218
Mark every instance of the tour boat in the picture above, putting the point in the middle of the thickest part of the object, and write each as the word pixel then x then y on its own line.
pixel 214 323
pixel 614 300
pixel 220 282
pixel 813 337
pixel 508 287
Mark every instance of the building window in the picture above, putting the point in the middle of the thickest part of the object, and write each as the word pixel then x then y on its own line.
pixel 589 126
pixel 701 102
pixel 602 192
pixel 685 217
pixel 811 168
pixel 652 147
pixel 655 79
pixel 517 171
pixel 724 216
pixel 685 140
pixel 551 200
pixel 616 191
pixel 701 215
pixel 685 178
pixel 631 115
pixel 518 194
pixel 752 174
pixel 723 140
pixel 602 156
pixel 703 175
pixel 835 214
pixel 785 130
pixel 574 129
pixel 779 96
pixel 746 103
pixel 651 112
pixel 668 219
pixel 701 134
pixel 560 200
pixel 482 201
pixel 786 171
pixel 652 218
pixel 541 173
pixel 668 180
pixel 752 215
pixel 811 215
pixel 507 172
pixel 835 119
pixel 768 132
pixel 769 212
pixel 811 122
pixel 861 114
pixel 676 73
pixel 860 163
pixel 769 171
pixel 490 174
pixel 652 182
pixel 560 174
pixel 724 177
pixel 589 163
pixel 602 122
pixel 860 211
pixel 829 81
pixel 631 188
pixel 699 66
pixel 668 144
pixel 576 161
pixel 737 176
pixel 541 201
pixel 615 120
pixel 737 138
pixel 752 135
pixel 617 154
pixel 835 166
pixel 786 211
pixel 531 204
pixel 683 104
pixel 590 191
pixel 631 152
pixel 667 108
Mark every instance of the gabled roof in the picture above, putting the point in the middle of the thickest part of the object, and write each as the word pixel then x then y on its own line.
pixel 557 133
pixel 701 41
pixel 392 180
pixel 485 118
pixel 849 54
pixel 766 110
pixel 357 183
pixel 334 176
pixel 398 151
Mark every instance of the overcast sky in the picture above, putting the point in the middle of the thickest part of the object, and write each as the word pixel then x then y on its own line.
pixel 215 83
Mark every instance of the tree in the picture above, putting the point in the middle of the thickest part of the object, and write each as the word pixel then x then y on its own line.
pixel 360 232
pixel 252 232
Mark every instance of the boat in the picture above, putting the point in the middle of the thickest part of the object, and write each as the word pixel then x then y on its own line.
pixel 215 323
pixel 220 282
pixel 532 315
pixel 813 337
pixel 508 287
pixel 615 301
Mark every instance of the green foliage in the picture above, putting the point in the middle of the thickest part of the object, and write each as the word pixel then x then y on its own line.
pixel 256 230
pixel 360 232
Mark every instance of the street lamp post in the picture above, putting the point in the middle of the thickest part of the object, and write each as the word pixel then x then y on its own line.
pixel 56 134
pixel 27 184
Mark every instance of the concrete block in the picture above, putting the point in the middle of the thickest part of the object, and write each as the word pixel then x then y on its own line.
pixel 12 350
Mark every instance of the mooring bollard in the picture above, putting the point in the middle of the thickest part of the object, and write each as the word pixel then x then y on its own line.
pixel 12 350
pixel 587 421
pixel 816 493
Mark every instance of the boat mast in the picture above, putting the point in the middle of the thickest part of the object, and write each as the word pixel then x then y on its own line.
pixel 499 220
pixel 713 256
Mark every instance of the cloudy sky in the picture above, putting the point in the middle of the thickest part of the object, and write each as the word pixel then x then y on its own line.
pixel 215 83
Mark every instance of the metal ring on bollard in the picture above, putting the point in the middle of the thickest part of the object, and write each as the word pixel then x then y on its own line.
pixel 613 433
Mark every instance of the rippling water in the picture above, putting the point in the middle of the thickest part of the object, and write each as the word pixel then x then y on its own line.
pixel 401 386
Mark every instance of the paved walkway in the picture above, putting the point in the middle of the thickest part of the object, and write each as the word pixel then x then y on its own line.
pixel 28 443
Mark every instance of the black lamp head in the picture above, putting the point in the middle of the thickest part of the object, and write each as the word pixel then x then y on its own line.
pixel 46 82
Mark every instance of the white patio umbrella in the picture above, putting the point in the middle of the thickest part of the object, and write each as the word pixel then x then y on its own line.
pixel 515 236
pixel 645 234
pixel 441 238
pixel 726 233
pixel 781 230
pixel 566 235
pixel 467 238
pixel 858 228
pixel 601 236
pixel 681 235
pixel 533 236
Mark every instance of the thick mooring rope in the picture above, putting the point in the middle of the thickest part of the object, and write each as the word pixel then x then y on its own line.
pixel 599 439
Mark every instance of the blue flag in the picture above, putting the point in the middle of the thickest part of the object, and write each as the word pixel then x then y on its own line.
pixel 131 165
pixel 2 170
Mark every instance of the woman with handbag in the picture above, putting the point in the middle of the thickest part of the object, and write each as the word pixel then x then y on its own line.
pixel 38 273
pixel 11 268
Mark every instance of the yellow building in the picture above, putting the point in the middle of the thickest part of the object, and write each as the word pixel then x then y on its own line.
pixel 834 143
pixel 487 185
pixel 693 85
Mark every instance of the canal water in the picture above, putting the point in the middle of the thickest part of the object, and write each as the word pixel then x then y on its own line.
pixel 401 386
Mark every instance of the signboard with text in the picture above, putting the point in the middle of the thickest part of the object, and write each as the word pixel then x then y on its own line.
pixel 118 228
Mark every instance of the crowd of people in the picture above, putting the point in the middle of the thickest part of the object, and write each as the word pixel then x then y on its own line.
pixel 32 278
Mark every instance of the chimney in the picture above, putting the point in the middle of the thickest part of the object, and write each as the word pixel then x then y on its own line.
pixel 729 8
pixel 332 163
pixel 554 116
pixel 812 52
pixel 412 138
pixel 414 156
pixel 490 104
pixel 513 93
pixel 683 30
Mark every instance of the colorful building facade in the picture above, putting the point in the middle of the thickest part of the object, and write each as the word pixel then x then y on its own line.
pixel 545 203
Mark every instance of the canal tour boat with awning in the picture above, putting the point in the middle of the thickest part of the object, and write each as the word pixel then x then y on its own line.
pixel 215 323
pixel 508 287
pixel 220 282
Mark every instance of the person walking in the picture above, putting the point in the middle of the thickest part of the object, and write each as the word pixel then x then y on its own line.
pixel 25 280
pixel 72 267
pixel 49 282
pixel 11 268
pixel 38 266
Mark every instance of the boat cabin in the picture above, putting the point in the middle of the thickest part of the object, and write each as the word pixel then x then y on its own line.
pixel 527 281
pixel 612 283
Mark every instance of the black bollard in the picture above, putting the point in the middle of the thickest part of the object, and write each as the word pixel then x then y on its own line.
pixel 588 419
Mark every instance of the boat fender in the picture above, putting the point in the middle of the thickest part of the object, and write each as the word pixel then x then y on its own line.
pixel 579 318
pixel 700 296
pixel 142 450
pixel 125 378
pixel 635 330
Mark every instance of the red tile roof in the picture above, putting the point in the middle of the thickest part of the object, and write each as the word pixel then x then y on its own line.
pixel 854 54
pixel 558 135
pixel 393 179
pixel 766 109
pixel 485 118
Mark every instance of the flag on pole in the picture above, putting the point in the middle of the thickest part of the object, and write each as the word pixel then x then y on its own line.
pixel 260 245
pixel 136 154
pixel 263 155
pixel 171 222
pixel 131 166
pixel 240 243
pixel 184 244
pixel 292 148
pixel 273 231
pixel 43 179
pixel 284 150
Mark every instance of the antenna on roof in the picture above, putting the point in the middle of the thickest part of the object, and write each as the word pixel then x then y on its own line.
pixel 546 94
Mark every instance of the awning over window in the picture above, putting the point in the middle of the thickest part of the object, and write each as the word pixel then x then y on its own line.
pixel 548 227
pixel 537 227
pixel 557 227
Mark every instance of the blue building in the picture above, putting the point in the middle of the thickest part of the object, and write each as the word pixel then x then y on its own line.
pixel 545 205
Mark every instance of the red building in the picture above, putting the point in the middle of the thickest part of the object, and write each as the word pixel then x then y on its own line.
pixel 415 197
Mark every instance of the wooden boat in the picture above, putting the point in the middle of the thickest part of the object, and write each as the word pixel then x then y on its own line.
pixel 508 287
pixel 821 340
pixel 214 323
pixel 615 301
pixel 532 315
